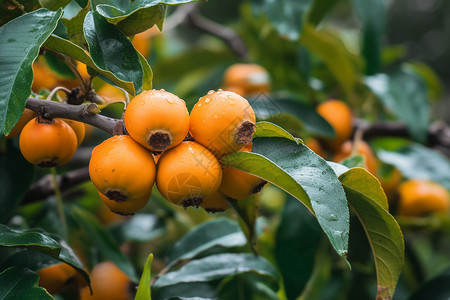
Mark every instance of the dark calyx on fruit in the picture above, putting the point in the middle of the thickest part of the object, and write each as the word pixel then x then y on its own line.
pixel 245 132
pixel 159 140
pixel 117 196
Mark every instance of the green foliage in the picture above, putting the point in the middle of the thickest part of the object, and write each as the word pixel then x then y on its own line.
pixel 20 283
pixel 143 292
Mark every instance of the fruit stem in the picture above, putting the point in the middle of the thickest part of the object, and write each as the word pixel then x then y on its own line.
pixel 56 89
pixel 59 202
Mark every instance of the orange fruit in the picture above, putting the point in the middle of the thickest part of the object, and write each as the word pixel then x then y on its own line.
pixel 142 41
pixel 156 119
pixel 110 93
pixel 223 122
pixel 26 117
pixel 108 282
pixel 340 117
pixel 55 277
pixel 217 202
pixel 250 78
pixel 48 143
pixel 420 197
pixel 187 174
pixel 363 149
pixel 78 128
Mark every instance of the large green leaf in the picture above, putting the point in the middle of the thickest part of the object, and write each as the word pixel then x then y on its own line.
pixel 216 233
pixel 247 212
pixel 111 50
pixel 53 5
pixel 333 53
pixel 245 286
pixel 103 240
pixel 28 239
pixel 306 176
pixel 143 292
pixel 219 266
pixel 294 260
pixel 16 176
pixel 372 14
pixel 404 94
pixel 266 106
pixel 383 232
pixel 20 41
pixel 68 48
pixel 267 129
pixel 74 28
pixel 419 162
pixel 20 283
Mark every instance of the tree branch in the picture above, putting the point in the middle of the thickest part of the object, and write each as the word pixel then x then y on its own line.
pixel 236 44
pixel 43 188
pixel 87 113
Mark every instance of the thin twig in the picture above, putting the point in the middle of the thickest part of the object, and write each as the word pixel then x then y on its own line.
pixel 56 89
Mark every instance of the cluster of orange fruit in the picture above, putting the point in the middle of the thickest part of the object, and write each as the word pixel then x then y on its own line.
pixel 413 197
pixel 187 171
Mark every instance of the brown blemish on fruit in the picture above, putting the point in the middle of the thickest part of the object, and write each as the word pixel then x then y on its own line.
pixel 244 132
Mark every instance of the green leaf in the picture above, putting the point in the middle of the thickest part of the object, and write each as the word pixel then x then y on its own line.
pixel 75 28
pixel 20 41
pixel 404 95
pixel 372 14
pixel 143 292
pixel 318 10
pixel 216 233
pixel 419 162
pixel 435 88
pixel 332 52
pixel 294 260
pixel 140 228
pixel 245 286
pixel 28 239
pixel 68 48
pixel 58 66
pixel 135 16
pixel 20 283
pixel 16 176
pixel 368 202
pixel 267 129
pixel 53 5
pixel 355 161
pixel 287 16
pixel 103 240
pixel 148 73
pixel 247 212
pixel 217 267
pixel 266 107
pixel 112 51
pixel 306 176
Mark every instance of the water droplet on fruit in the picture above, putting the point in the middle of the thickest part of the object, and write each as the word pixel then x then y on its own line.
pixel 162 90
pixel 170 100
pixel 219 90
pixel 199 104
pixel 216 116
pixel 210 92
pixel 141 103
pixel 207 100
pixel 231 102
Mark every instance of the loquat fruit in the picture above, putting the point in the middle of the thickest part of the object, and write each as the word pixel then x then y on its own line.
pixel 187 174
pixel 217 202
pixel 108 282
pixel 340 117
pixel 223 122
pixel 55 277
pixel 156 119
pixel 124 172
pixel 47 143
pixel 250 78
pixel 79 128
pixel 420 197
pixel 363 149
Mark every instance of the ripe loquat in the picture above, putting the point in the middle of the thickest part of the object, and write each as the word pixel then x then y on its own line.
pixel 340 117
pixel 421 197
pixel 125 208
pixel 55 277
pixel 217 202
pixel 108 282
pixel 158 120
pixel 363 149
pixel 124 172
pixel 78 127
pixel 250 78
pixel 26 117
pixel 223 122
pixel 187 174
pixel 47 143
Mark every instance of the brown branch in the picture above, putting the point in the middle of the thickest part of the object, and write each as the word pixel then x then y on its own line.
pixel 43 188
pixel 236 44
pixel 87 113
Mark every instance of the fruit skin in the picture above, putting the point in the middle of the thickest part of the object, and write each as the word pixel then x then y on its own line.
pixel 217 202
pixel 420 197
pixel 78 128
pixel 128 207
pixel 47 144
pixel 250 78
pixel 122 170
pixel 157 111
pixel 223 122
pixel 108 282
pixel 340 117
pixel 187 174
pixel 55 277
pixel 238 184
pixel 345 151
pixel 26 117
